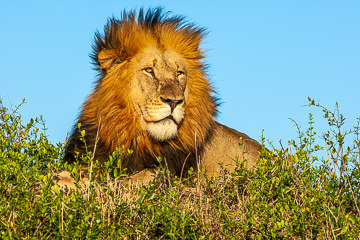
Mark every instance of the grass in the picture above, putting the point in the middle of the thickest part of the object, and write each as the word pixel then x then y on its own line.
pixel 295 195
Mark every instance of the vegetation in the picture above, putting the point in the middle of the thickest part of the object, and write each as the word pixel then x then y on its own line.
pixel 294 193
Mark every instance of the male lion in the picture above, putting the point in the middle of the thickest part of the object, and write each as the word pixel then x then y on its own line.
pixel 153 97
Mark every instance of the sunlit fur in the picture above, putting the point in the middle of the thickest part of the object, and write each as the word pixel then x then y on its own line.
pixel 109 111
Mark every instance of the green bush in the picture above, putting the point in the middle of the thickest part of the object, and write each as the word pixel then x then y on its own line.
pixel 294 193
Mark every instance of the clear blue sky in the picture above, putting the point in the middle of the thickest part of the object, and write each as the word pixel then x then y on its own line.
pixel 265 58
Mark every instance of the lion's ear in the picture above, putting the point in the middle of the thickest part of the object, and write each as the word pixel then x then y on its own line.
pixel 107 58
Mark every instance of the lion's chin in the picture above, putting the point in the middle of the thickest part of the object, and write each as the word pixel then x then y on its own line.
pixel 162 130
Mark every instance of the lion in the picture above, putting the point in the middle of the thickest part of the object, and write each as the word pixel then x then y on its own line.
pixel 153 96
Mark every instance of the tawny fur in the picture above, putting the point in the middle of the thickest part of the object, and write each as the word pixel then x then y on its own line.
pixel 110 113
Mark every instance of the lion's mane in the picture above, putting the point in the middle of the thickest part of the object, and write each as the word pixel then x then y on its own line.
pixel 107 114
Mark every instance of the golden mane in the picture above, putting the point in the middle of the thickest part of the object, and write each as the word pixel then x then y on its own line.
pixel 109 112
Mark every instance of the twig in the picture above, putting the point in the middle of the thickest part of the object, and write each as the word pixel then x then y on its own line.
pixel 166 168
pixel 340 152
pixel 37 229
pixel 62 219
pixel 182 169
pixel 198 163
pixel 93 155
pixel 353 195
pixel 331 226
pixel 327 152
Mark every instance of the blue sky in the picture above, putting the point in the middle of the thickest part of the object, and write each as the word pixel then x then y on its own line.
pixel 265 58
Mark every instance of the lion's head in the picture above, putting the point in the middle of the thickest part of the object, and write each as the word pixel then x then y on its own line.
pixel 152 94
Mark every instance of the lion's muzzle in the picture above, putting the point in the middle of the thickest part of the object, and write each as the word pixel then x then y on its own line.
pixel 172 102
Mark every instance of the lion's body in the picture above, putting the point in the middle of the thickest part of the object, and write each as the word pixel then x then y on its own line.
pixel 153 97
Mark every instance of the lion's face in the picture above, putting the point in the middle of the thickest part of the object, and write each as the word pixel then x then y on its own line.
pixel 158 92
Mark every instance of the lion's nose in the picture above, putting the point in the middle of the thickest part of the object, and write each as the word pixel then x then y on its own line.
pixel 172 102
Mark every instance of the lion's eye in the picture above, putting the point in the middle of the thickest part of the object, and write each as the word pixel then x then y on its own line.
pixel 149 70
pixel 179 73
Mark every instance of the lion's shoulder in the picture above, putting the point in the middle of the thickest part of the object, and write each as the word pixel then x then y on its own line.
pixel 226 146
